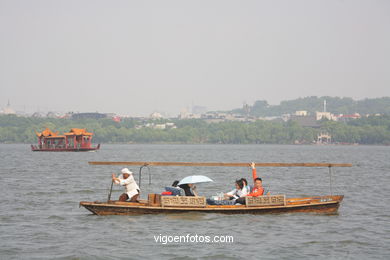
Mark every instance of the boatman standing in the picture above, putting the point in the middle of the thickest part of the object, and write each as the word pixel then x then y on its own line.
pixel 131 187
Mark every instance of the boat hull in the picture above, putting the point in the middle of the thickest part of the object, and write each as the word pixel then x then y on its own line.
pixel 321 205
pixel 37 149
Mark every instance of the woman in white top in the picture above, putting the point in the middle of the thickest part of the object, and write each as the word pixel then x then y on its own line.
pixel 245 183
pixel 230 197
pixel 238 192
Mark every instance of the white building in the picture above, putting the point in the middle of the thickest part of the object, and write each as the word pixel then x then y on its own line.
pixel 301 113
pixel 156 115
pixel 159 126
pixel 184 114
pixel 326 115
pixel 8 110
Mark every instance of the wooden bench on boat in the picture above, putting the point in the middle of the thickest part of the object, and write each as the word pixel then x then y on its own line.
pixel 183 201
pixel 266 200
pixel 157 200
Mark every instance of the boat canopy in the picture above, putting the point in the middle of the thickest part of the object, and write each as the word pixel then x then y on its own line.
pixel 78 131
pixel 47 133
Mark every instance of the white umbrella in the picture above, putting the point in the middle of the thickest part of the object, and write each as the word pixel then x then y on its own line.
pixel 195 179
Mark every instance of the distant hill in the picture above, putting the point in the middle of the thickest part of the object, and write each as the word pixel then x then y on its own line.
pixel 335 105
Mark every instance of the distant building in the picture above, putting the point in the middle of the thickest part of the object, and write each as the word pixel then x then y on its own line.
pixel 88 115
pixel 156 115
pixel 37 115
pixel 159 126
pixel 52 115
pixel 8 110
pixel 345 118
pixel 117 119
pixel 171 125
pixel 301 113
pixel 283 118
pixel 184 114
pixel 325 115
pixel 324 138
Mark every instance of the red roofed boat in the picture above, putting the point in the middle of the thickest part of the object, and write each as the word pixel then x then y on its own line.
pixel 77 140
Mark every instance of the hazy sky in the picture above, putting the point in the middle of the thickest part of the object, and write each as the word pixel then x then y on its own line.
pixel 136 57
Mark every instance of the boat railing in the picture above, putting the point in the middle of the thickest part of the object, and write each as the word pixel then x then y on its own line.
pixel 266 200
pixel 183 201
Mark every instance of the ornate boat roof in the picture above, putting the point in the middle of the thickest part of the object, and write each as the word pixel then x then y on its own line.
pixel 78 131
pixel 47 133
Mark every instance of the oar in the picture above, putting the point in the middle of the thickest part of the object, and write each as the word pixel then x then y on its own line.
pixel 109 194
pixel 222 164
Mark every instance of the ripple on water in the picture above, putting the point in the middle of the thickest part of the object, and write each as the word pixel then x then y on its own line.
pixel 56 218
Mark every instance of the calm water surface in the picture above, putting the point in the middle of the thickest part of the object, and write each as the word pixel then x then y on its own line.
pixel 40 217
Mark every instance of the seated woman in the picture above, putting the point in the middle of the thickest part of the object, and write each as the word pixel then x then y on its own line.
pixel 173 191
pixel 189 189
pixel 230 197
pixel 239 191
pixel 246 185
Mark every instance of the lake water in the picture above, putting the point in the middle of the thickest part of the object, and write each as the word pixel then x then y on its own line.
pixel 40 217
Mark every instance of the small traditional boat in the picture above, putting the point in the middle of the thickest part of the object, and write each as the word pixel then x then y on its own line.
pixel 320 204
pixel 180 204
pixel 76 140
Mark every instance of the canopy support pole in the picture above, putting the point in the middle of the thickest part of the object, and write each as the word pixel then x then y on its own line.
pixel 330 179
pixel 140 175
pixel 109 194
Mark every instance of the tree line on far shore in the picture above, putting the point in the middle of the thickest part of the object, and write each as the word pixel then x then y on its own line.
pixel 367 130
pixel 335 105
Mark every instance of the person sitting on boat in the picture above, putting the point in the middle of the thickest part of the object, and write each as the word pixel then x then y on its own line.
pixel 189 189
pixel 239 191
pixel 175 183
pixel 248 187
pixel 131 187
pixel 258 189
pixel 174 190
pixel 231 197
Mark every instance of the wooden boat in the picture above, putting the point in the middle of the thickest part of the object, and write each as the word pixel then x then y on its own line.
pixel 157 204
pixel 320 204
pixel 76 140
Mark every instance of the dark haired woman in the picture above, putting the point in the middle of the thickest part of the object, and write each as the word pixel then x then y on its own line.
pixel 230 197
pixel 189 189
pixel 238 192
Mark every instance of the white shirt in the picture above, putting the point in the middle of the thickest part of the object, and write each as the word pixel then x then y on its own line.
pixel 238 193
pixel 131 186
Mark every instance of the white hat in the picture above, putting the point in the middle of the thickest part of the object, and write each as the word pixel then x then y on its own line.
pixel 125 170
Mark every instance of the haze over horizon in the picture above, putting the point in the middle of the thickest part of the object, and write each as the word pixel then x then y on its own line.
pixel 137 57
